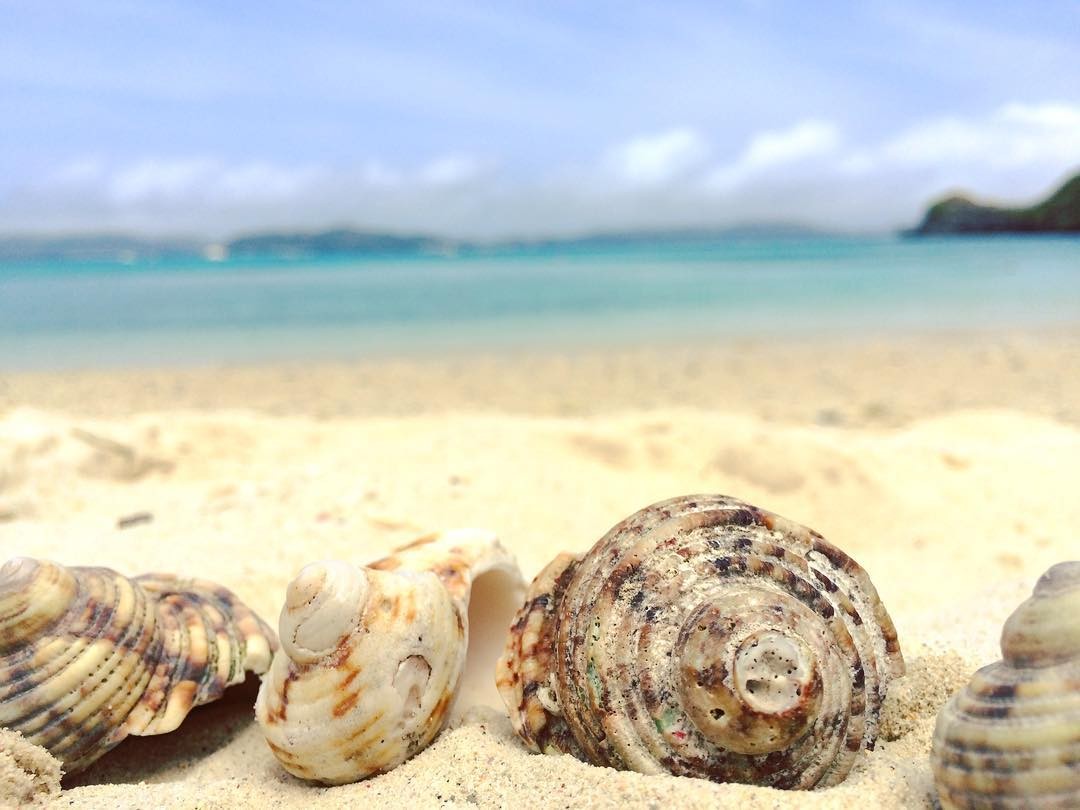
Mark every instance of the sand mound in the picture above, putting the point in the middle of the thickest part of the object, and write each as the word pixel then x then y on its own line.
pixel 38 448
pixel 28 773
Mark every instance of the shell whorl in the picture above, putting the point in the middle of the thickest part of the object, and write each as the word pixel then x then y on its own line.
pixel 1011 737
pixel 704 637
pixel 34 596
pixel 88 656
pixel 323 606
pixel 371 656
pixel 1045 630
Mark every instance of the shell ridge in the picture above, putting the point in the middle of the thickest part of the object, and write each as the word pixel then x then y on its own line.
pixel 122 673
pixel 70 681
pixel 1011 737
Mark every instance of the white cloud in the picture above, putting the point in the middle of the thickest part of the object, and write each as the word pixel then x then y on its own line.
pixel 1053 116
pixel 451 170
pixel 252 181
pixel 1012 136
pixel 655 159
pixel 164 179
pixel 804 141
pixel 377 173
pixel 176 180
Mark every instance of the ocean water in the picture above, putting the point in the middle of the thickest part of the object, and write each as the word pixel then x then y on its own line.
pixel 94 314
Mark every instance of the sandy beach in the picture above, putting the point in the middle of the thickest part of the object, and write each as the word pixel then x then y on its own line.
pixel 945 464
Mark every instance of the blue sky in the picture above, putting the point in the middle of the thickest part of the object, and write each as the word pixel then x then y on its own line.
pixel 494 119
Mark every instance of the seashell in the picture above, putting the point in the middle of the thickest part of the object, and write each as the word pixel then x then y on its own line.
pixel 88 656
pixel 371 657
pixel 1011 737
pixel 703 637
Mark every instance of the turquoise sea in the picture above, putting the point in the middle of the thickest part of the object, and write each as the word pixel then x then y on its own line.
pixel 99 314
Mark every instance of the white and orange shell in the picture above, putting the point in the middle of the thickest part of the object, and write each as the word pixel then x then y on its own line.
pixel 88 656
pixel 371 657
pixel 705 637
pixel 1011 737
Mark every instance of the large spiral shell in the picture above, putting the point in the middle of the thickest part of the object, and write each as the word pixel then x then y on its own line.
pixel 371 657
pixel 1011 738
pixel 88 656
pixel 703 637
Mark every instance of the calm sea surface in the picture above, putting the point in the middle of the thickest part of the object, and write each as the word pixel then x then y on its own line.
pixel 70 315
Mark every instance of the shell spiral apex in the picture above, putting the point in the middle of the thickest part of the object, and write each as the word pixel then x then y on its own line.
pixel 1011 737
pixel 703 637
pixel 321 608
pixel 371 656
pixel 88 656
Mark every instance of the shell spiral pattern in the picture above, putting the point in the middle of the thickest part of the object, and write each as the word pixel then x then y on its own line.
pixel 1011 738
pixel 703 637
pixel 88 656
pixel 371 656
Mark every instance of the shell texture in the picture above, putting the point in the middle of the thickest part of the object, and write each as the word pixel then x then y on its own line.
pixel 1011 737
pixel 703 637
pixel 371 656
pixel 88 656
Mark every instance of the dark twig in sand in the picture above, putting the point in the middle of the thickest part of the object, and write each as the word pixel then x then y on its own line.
pixel 134 519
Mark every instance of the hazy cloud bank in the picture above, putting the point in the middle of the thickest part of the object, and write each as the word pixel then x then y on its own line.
pixel 809 172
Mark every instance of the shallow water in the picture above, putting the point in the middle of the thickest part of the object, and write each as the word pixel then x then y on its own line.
pixel 69 314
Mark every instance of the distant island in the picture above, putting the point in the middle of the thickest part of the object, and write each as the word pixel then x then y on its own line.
pixel 339 241
pixel 351 242
pixel 1058 213
pixel 957 214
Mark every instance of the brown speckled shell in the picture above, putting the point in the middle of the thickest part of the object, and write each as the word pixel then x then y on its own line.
pixel 1011 737
pixel 371 656
pixel 703 637
pixel 88 656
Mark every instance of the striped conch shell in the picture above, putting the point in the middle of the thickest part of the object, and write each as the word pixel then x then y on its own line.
pixel 88 656
pixel 1011 737
pixel 703 637
pixel 371 656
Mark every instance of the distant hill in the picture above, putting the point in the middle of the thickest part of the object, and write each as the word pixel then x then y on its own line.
pixel 335 242
pixel 1058 213
pixel 348 241
pixel 354 242
pixel 669 236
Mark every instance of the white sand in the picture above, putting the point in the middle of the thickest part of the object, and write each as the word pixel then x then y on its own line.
pixel 954 515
